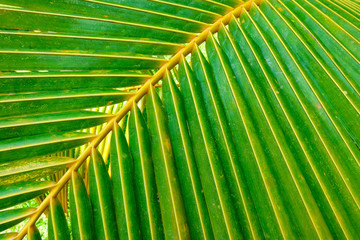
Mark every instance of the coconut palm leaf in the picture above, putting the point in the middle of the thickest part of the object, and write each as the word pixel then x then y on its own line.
pixel 233 120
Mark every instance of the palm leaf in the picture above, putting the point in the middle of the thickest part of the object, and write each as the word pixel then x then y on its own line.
pixel 246 123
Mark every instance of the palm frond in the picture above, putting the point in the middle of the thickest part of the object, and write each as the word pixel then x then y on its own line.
pixel 253 134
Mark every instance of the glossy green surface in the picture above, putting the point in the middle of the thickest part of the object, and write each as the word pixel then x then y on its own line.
pixel 66 43
pixel 38 145
pixel 30 103
pixel 259 141
pixel 24 60
pixel 42 81
pixel 5 236
pixel 230 159
pixel 112 13
pixel 32 169
pixel 171 203
pixel 216 190
pixel 57 224
pixel 101 197
pixel 191 189
pixel 53 122
pixel 75 23
pixel 33 233
pixel 122 177
pixel 13 194
pixel 202 11
pixel 11 217
pixel 145 185
pixel 82 222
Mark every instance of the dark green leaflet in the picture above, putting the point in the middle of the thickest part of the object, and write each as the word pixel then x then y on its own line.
pixel 32 169
pixel 101 197
pixel 30 103
pixel 216 191
pixel 91 26
pixel 261 140
pixel 15 193
pixel 30 146
pixel 57 225
pixel 11 217
pixel 82 222
pixel 33 233
pixel 100 9
pixel 122 176
pixel 53 122
pixel 34 81
pixel 145 185
pixel 224 139
pixel 193 197
pixel 171 204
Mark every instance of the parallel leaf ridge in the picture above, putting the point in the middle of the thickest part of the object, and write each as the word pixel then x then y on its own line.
pixel 246 124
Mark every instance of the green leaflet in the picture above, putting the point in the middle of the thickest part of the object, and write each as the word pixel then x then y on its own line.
pixel 191 189
pixel 17 60
pixel 12 40
pixel 330 133
pixel 339 14
pixel 52 122
pixel 33 233
pixel 57 225
pixel 224 220
pixel 145 186
pixel 13 194
pixel 260 141
pixel 31 146
pixel 122 177
pixel 268 122
pixel 114 12
pixel 331 55
pixel 201 11
pixel 74 24
pixel 82 222
pixel 172 207
pixel 34 81
pixel 30 103
pixel 11 217
pixel 32 169
pixel 5 236
pixel 229 157
pixel 310 199
pixel 256 133
pixel 328 27
pixel 344 113
pixel 101 197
